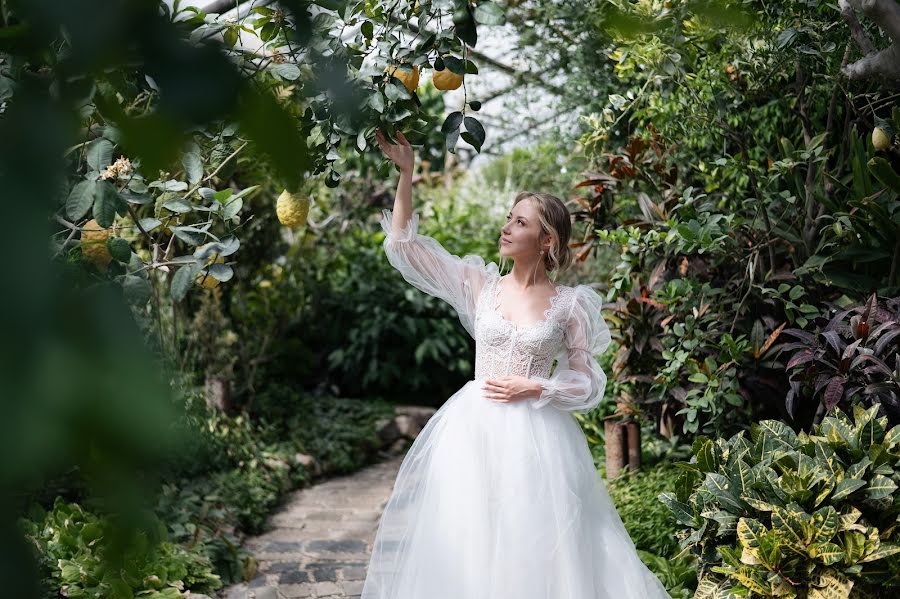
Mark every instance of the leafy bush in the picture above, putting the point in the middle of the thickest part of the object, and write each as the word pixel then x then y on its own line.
pixel 80 551
pixel 847 359
pixel 794 515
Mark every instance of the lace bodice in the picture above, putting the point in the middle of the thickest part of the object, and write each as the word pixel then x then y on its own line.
pixel 571 333
pixel 505 348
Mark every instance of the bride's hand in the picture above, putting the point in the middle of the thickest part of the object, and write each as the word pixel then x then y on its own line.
pixel 507 389
pixel 401 154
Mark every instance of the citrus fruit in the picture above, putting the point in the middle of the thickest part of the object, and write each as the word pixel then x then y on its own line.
pixel 292 209
pixel 446 79
pixel 93 244
pixel 410 79
pixel 880 139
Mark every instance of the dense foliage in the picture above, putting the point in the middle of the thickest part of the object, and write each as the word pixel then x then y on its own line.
pixel 781 514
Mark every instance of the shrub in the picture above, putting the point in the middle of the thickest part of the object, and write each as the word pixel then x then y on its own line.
pixel 847 359
pixel 794 515
pixel 80 552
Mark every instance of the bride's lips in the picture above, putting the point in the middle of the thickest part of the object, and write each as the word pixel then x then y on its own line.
pixel 502 240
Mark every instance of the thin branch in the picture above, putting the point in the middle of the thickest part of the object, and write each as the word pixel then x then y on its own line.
pixel 856 30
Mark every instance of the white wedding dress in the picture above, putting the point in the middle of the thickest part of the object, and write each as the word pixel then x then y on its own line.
pixel 502 500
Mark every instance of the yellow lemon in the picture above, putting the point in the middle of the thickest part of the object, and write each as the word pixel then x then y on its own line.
pixel 446 79
pixel 880 139
pixel 409 79
pixel 292 209
pixel 93 244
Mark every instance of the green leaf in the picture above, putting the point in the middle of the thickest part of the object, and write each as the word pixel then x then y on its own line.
pixel 792 523
pixel 189 235
pixel 119 248
pixel 137 290
pixel 221 272
pixel 178 206
pixel 182 280
pixel 452 122
pixel 193 166
pixel 681 512
pixel 286 70
pixel 470 139
pixel 489 14
pixel 474 127
pixel 150 223
pixel 707 455
pixel 376 101
pixel 106 203
pixel 80 200
pixel 884 172
pixel 232 208
pixel 99 154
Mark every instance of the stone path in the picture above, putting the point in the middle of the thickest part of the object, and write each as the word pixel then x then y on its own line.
pixel 321 538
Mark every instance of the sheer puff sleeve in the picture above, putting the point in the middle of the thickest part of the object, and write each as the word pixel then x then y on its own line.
pixel 578 382
pixel 428 266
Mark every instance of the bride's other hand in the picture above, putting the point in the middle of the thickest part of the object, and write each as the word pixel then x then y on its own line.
pixel 508 389
pixel 401 154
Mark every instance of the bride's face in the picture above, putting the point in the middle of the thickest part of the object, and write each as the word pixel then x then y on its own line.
pixel 520 236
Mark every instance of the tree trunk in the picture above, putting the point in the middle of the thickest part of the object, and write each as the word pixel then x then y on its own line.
pixel 615 447
pixel 633 430
pixel 217 391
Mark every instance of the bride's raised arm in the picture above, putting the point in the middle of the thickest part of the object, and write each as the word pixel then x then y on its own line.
pixel 421 259
pixel 428 266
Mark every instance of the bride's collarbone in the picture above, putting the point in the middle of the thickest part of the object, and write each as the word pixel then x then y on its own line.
pixel 525 308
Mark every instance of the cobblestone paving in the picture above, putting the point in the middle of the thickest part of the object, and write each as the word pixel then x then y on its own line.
pixel 320 539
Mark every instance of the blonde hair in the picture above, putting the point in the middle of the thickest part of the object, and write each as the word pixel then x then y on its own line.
pixel 557 223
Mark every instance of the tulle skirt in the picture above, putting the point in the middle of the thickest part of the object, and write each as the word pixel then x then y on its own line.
pixel 501 500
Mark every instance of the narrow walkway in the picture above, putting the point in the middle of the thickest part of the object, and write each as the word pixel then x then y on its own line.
pixel 321 538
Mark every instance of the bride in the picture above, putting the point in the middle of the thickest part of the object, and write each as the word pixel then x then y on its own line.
pixel 498 497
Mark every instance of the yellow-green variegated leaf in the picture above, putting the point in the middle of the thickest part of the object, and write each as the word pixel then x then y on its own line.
pixel 751 579
pixel 892 437
pixel 848 518
pixel 793 524
pixel 858 469
pixel 827 553
pixel 830 585
pixel 854 546
pixel 824 525
pixel 885 550
pixel 749 532
pixel 880 487
pixel 759 504
pixel 846 487
pixel 750 556
pixel 828 485
pixel 711 587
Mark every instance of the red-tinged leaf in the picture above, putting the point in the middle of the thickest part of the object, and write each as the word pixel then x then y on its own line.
pixel 800 334
pixel 850 350
pixel 800 358
pixel 834 391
